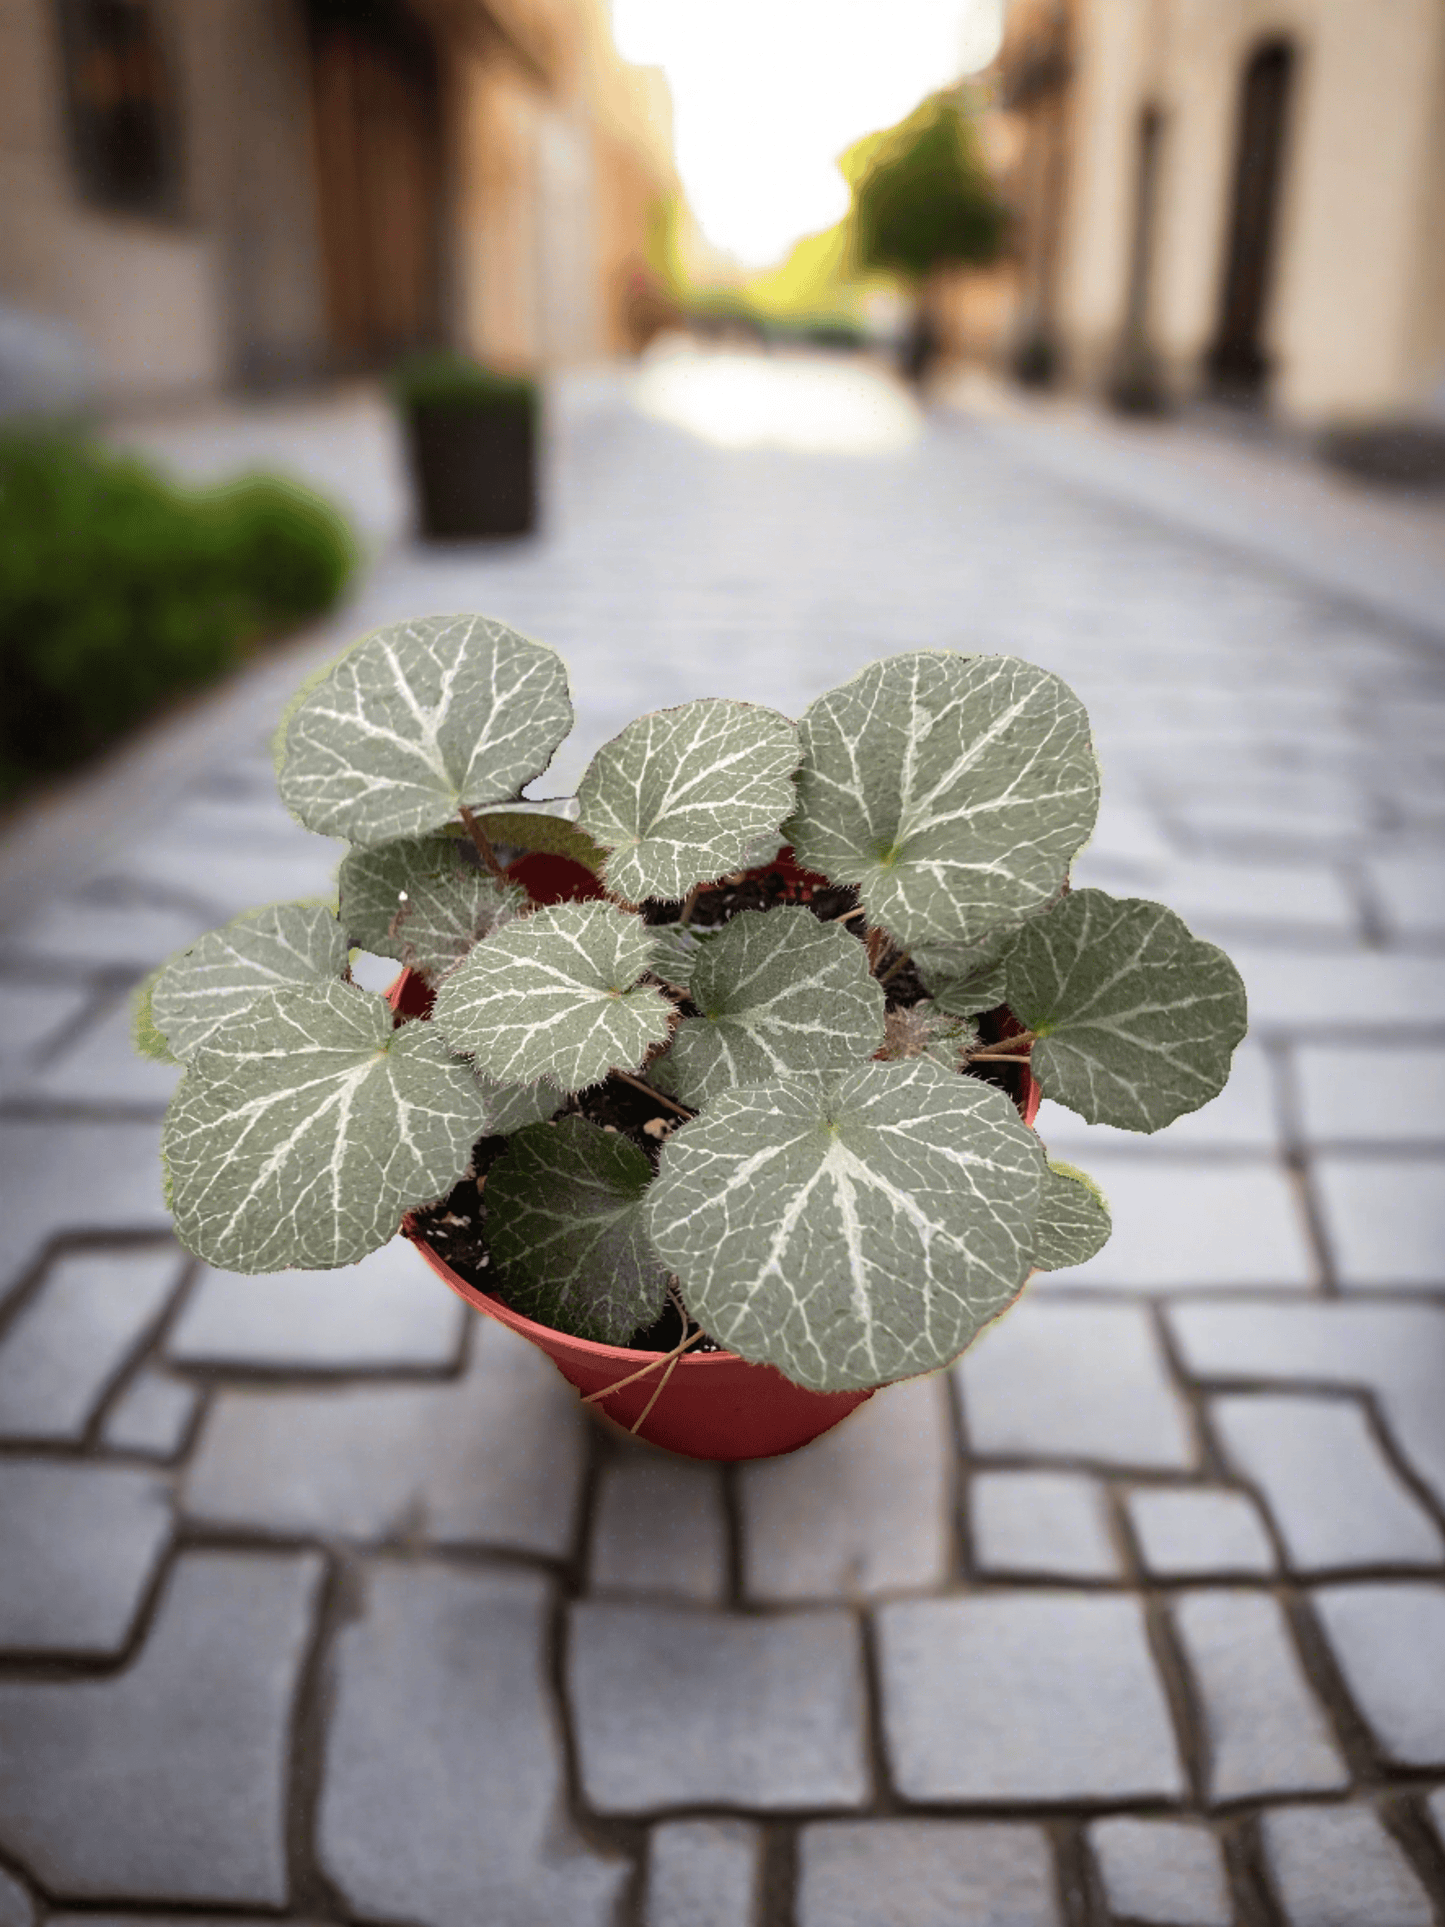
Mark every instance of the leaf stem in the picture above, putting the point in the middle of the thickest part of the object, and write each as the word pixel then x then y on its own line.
pixel 846 916
pixel 894 968
pixel 877 945
pixel 657 1096
pixel 689 905
pixel 591 1398
pixel 483 844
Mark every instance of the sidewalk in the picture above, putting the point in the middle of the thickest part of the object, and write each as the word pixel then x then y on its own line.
pixel 320 1597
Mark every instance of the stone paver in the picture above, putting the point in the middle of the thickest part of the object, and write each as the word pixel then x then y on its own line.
pixel 74 934
pixel 443 1793
pixel 1410 891
pixel 1272 769
pixel 1052 1525
pixel 1395 1351
pixel 65 1347
pixel 1337 1867
pixel 36 1014
pixel 1024 1696
pixel 864 1511
pixel 1074 1381
pixel 71 1178
pixel 1385 1221
pixel 1166 1872
pixel 236 879
pixel 1190 1533
pixel 167 1810
pixel 1265 1731
pixel 495 1459
pixel 1294 991
pixel 17 1909
pixel 152 1416
pixel 1389 1642
pixel 387 1312
pixel 1371 1095
pixel 659 1530
pixel 676 1708
pixel 100 1067
pixel 925 1873
pixel 703 1873
pixel 1180 1226
pixel 82 1544
pixel 1334 1496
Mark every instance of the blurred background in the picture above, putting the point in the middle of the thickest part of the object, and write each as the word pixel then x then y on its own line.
pixel 1244 198
pixel 218 217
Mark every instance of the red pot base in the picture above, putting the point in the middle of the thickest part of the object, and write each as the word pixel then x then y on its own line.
pixel 713 1406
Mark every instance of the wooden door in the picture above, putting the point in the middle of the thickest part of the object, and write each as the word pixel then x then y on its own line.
pixel 380 178
pixel 1238 361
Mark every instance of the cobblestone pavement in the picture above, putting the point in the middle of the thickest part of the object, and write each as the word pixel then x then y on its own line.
pixel 320 1596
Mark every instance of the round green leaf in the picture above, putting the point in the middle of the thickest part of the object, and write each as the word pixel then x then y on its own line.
pixel 284 945
pixel 418 719
pixel 567 1227
pixel 423 900
pixel 778 992
pixel 675 949
pixel 682 795
pixel 307 1127
pixel 555 995
pixel 952 790
pixel 1073 1219
pixel 1137 1017
pixel 539 827
pixel 849 1229
pixel 145 1034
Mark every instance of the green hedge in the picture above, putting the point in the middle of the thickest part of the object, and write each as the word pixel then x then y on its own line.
pixel 118 590
pixel 440 378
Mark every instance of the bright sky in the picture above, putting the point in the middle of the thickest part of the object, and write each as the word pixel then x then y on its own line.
pixel 767 93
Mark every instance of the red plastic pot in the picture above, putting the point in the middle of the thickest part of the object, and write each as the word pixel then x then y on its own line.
pixel 714 1405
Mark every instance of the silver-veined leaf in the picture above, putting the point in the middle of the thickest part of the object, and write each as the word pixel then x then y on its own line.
pixel 952 790
pixel 1073 1220
pixel 277 948
pixel 567 1226
pixel 674 952
pixel 536 828
pixel 555 996
pixel 424 900
pixel 1137 1017
pixel 307 1127
pixel 512 1107
pixel 965 981
pixel 849 1229
pixel 418 719
pixel 682 795
pixel 778 991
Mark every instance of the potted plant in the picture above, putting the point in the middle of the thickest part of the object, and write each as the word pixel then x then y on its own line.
pixel 713 1079
pixel 472 441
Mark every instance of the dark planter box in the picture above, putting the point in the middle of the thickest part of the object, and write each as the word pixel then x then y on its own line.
pixel 475 468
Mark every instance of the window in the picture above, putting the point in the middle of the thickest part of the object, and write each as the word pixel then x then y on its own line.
pixel 122 109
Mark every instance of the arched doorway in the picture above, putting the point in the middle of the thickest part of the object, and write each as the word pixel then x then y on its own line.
pixel 379 174
pixel 1237 362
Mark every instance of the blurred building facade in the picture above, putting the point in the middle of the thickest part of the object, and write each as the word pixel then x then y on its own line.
pixel 221 192
pixel 1237 197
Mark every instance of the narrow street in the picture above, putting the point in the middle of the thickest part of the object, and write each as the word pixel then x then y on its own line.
pixel 322 1597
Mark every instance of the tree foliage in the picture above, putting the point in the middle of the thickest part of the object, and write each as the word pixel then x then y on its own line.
pixel 922 197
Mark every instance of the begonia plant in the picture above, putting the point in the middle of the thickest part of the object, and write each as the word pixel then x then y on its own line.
pixel 761 1057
